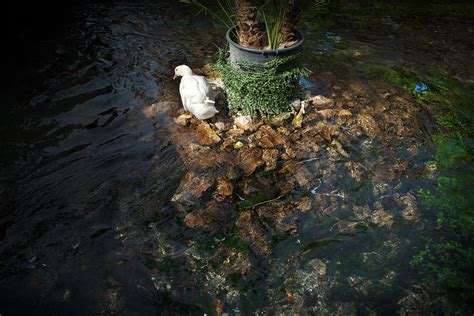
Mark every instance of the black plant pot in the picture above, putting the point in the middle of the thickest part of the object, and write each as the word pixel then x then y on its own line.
pixel 241 53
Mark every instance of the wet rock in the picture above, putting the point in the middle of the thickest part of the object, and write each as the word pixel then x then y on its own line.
pixel 343 116
pixel 410 210
pixel 267 137
pixel 160 107
pixel 206 135
pixel 280 119
pixel 318 266
pixel 249 159
pixel 192 188
pixel 303 205
pixel 339 148
pixel 224 188
pixel 285 184
pixel 368 125
pixel 245 123
pixel 252 234
pixel 270 157
pixel 231 261
pixel 182 120
pixel 303 176
pixel 223 124
pixel 289 152
pixel 213 216
pixel 281 216
pixel 320 100
pixel 349 227
pixel 382 218
pixel 327 114
pixel 361 212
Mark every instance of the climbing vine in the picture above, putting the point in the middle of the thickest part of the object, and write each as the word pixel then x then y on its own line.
pixel 261 88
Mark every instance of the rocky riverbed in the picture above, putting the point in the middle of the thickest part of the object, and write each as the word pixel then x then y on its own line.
pixel 286 212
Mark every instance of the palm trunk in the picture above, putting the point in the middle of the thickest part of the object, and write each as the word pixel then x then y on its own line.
pixel 250 35
pixel 289 24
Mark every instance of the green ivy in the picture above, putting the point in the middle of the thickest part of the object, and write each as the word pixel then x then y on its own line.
pixel 261 88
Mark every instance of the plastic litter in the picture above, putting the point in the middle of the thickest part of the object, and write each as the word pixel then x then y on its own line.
pixel 305 84
pixel 421 87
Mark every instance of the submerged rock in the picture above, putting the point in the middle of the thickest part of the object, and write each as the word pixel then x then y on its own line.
pixel 192 187
pixel 318 266
pixel 252 234
pixel 410 210
pixel 224 188
pixel 368 125
pixel 214 216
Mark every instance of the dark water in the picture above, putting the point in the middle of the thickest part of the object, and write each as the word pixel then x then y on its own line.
pixel 87 178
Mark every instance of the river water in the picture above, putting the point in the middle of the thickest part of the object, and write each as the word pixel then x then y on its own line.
pixel 87 224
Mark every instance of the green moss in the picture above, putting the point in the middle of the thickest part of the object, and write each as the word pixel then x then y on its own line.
pixel 266 89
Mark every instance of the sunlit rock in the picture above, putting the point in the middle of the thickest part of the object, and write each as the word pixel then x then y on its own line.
pixel 267 137
pixel 249 159
pixel 245 123
pixel 206 135
pixel 270 157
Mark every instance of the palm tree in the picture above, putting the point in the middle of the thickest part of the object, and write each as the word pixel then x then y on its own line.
pixel 250 35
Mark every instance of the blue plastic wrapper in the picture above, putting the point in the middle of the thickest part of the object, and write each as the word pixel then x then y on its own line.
pixel 421 87
pixel 305 84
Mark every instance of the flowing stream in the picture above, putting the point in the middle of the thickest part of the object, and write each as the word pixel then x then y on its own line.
pixel 87 225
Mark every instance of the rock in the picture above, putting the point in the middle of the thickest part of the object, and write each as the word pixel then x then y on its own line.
pixel 382 218
pixel 410 210
pixel 350 227
pixel 303 204
pixel 267 137
pixel 182 120
pixel 213 216
pixel 252 234
pixel 224 188
pixel 270 157
pixel 343 116
pixel 192 188
pixel 320 100
pixel 223 125
pixel 160 107
pixel 206 135
pixel 339 148
pixel 249 159
pixel 281 216
pixel 368 125
pixel 327 114
pixel 318 266
pixel 231 261
pixel 289 152
pixel 245 123
pixel 280 119
pixel 303 176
